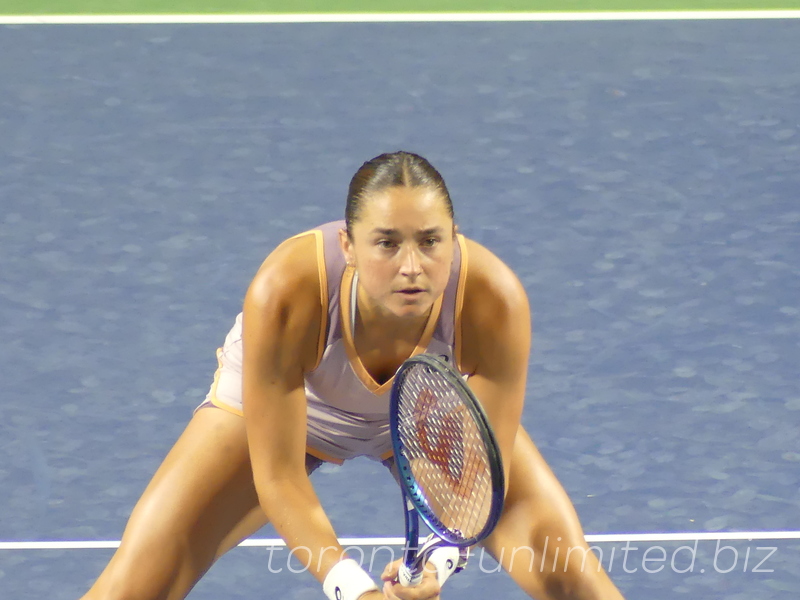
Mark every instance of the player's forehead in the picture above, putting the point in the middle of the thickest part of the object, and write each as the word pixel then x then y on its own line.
pixel 401 210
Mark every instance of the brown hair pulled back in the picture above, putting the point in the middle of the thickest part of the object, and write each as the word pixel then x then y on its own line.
pixel 390 170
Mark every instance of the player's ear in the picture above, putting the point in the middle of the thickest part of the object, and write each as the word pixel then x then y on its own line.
pixel 346 244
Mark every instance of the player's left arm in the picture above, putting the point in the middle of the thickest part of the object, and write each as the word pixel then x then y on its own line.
pixel 496 332
pixel 495 342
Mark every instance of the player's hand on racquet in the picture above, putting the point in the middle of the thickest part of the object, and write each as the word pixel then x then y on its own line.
pixel 428 589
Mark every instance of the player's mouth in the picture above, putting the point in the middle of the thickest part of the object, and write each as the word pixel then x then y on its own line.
pixel 411 292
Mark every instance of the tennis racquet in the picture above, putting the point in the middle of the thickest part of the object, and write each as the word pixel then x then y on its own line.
pixel 449 464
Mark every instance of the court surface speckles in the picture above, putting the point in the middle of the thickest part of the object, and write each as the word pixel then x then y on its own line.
pixel 641 178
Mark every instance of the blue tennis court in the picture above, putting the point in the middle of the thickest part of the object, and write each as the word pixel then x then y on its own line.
pixel 641 178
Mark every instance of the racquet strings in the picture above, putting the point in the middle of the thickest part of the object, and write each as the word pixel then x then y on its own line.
pixel 446 452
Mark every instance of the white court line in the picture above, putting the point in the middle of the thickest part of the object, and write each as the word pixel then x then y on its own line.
pixel 408 18
pixel 398 541
pixel 137 19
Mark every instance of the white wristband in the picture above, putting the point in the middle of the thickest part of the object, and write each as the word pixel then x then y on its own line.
pixel 347 581
pixel 446 560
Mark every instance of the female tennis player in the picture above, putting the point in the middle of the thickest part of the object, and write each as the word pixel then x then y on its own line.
pixel 304 377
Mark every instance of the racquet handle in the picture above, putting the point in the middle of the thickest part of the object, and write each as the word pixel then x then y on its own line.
pixel 406 577
pixel 445 559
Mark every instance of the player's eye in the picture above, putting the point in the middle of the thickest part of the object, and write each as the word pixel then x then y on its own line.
pixel 430 242
pixel 387 244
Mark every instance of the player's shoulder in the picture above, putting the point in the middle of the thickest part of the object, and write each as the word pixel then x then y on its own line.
pixel 490 282
pixel 495 318
pixel 289 274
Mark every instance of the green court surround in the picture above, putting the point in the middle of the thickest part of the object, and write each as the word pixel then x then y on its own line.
pixel 40 7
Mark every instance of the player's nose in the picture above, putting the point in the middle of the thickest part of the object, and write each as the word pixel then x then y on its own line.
pixel 410 264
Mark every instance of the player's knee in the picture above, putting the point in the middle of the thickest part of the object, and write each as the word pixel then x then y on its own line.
pixel 119 585
pixel 117 594
pixel 572 574
pixel 569 585
pixel 136 574
pixel 118 588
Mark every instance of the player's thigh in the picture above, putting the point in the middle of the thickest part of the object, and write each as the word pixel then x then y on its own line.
pixel 534 502
pixel 199 496
pixel 205 486
pixel 538 530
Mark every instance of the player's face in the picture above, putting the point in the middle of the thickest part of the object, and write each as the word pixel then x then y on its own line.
pixel 402 249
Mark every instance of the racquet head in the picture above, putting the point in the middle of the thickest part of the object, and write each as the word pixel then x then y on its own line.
pixel 447 456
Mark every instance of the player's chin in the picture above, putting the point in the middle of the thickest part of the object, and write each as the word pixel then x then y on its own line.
pixel 411 312
pixel 412 306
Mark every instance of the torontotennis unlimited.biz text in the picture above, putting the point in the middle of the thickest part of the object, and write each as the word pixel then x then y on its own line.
pixel 699 556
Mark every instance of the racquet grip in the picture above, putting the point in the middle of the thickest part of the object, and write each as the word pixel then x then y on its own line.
pixel 446 560
pixel 406 577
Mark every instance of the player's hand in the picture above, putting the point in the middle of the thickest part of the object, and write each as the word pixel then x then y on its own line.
pixel 428 588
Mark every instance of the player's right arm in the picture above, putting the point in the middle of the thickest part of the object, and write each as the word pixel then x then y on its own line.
pixel 281 326
pixel 281 329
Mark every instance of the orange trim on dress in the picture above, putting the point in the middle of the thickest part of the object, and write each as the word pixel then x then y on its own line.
pixel 302 233
pixel 323 297
pixel 212 394
pixel 349 343
pixel 226 407
pixel 462 281
pixel 322 456
pixel 323 290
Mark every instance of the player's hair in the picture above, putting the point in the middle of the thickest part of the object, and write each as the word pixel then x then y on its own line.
pixel 390 170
